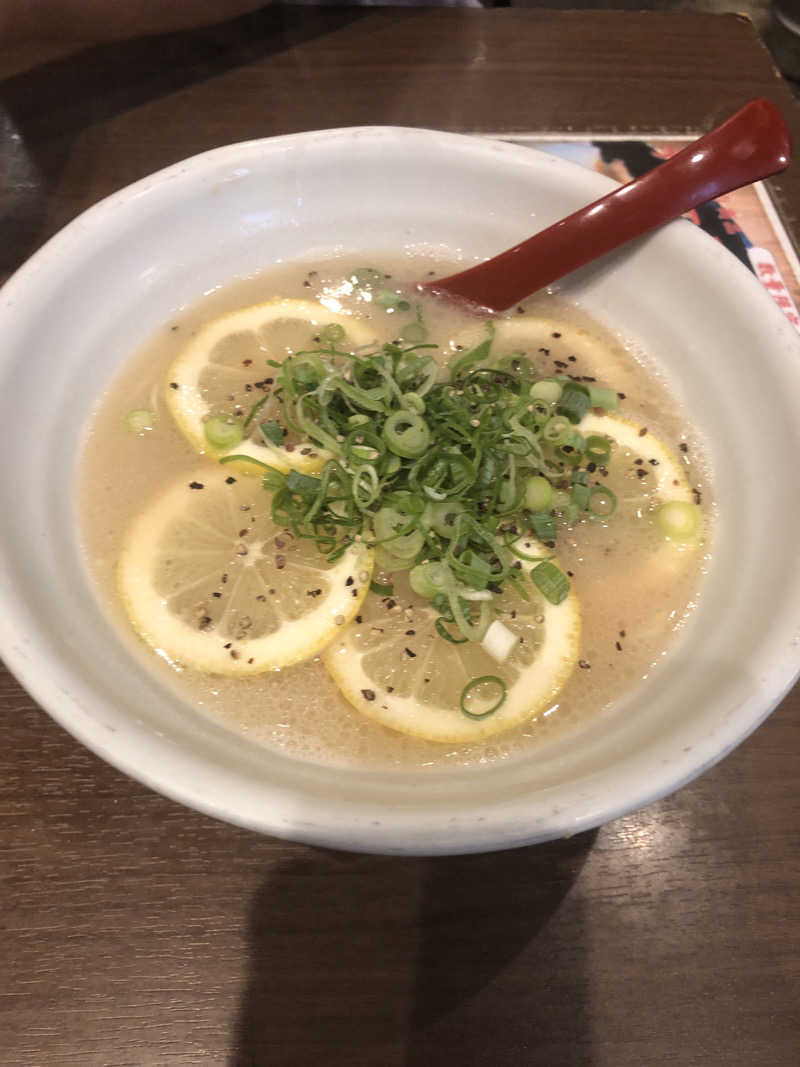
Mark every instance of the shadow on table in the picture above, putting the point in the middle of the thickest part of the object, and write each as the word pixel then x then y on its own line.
pixel 43 110
pixel 408 962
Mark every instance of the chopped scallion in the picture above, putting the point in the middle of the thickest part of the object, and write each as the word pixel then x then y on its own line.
pixel 551 582
pixel 140 421
pixel 678 520
pixel 223 432
pixel 473 691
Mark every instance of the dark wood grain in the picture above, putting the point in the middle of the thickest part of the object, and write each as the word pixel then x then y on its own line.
pixel 133 931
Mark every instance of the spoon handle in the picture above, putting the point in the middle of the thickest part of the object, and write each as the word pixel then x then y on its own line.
pixel 750 145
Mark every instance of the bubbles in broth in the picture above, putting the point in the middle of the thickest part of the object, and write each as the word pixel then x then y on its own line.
pixel 634 589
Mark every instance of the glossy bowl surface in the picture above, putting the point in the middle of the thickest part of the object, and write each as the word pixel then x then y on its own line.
pixel 93 294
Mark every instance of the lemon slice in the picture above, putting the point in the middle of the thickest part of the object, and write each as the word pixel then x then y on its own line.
pixel 535 336
pixel 392 665
pixel 225 370
pixel 211 583
pixel 641 467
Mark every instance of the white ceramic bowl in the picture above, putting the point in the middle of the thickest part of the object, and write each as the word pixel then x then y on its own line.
pixel 87 300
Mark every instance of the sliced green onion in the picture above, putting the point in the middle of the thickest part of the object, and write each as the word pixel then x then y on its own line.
pixel 499 641
pixel 239 457
pixel 140 421
pixel 391 301
pixel 414 402
pixel 303 484
pixel 558 430
pixel 223 432
pixel 602 502
pixel 443 632
pixel 272 431
pixel 367 278
pixel 598 449
pixel 442 517
pixel 472 629
pixel 428 579
pixel 574 402
pixel 544 526
pixel 551 582
pixel 381 588
pixel 407 434
pixel 251 414
pixel 678 520
pixel 414 333
pixel 470 687
pixel 470 359
pixel 333 332
pixel 603 398
pixel 546 389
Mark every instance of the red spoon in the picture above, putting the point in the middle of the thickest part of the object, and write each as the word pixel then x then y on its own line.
pixel 752 144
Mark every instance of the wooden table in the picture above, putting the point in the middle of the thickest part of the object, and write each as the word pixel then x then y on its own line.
pixel 133 931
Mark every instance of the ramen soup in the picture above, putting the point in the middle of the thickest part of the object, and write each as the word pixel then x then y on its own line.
pixel 367 527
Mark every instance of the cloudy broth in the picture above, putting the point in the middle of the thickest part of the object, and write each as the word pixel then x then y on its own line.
pixel 635 591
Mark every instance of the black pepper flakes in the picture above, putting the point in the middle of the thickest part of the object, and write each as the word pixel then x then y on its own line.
pixel 230 480
pixel 584 665
pixel 410 654
pixel 349 580
pixel 643 431
pixel 684 447
pixel 618 646
pixel 174 385
pixel 368 694
pixel 196 485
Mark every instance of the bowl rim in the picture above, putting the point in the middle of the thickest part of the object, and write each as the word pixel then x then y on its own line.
pixel 354 836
